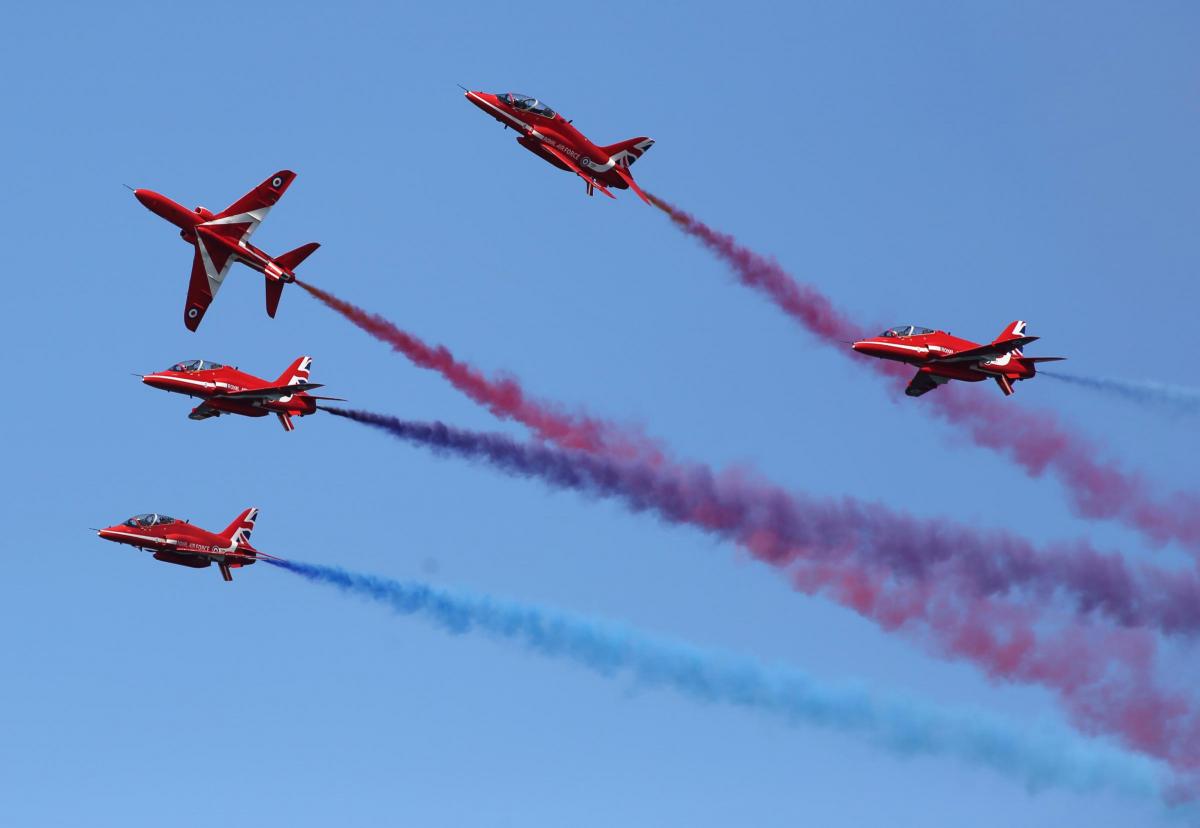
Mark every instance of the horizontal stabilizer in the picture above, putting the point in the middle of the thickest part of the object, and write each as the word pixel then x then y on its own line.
pixel 292 259
pixel 1044 359
pixel 986 352
pixel 272 393
pixel 274 293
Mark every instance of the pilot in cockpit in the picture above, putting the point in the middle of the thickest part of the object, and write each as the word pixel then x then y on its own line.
pixel 905 330
pixel 194 365
pixel 149 519
pixel 527 104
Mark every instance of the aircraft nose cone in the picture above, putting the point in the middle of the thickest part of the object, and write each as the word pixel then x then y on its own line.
pixel 155 381
pixel 477 98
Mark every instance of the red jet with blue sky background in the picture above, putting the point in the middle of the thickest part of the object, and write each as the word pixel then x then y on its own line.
pixel 550 136
pixel 223 238
pixel 942 357
pixel 176 541
pixel 226 390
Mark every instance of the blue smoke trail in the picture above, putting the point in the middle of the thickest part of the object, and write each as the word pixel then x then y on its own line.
pixel 1178 398
pixel 1043 758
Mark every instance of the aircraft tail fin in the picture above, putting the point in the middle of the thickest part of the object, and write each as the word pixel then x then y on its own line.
pixel 238 532
pixel 1014 330
pixel 296 373
pixel 276 270
pixel 624 153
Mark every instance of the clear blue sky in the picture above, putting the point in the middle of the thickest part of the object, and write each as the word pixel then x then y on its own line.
pixel 945 164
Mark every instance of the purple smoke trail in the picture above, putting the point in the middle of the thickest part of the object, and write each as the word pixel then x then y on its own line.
pixel 1035 441
pixel 1105 677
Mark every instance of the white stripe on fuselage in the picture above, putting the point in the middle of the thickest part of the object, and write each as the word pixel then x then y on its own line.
pixel 183 547
pixel 201 383
pixel 145 539
pixel 898 345
pixel 505 114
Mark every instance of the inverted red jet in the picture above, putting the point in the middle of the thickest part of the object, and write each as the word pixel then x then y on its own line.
pixel 226 390
pixel 179 542
pixel 549 135
pixel 223 238
pixel 943 357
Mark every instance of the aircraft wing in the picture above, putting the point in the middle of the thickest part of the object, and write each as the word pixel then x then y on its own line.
pixel 274 392
pixel 986 352
pixel 242 217
pixel 923 383
pixel 208 272
pixel 575 168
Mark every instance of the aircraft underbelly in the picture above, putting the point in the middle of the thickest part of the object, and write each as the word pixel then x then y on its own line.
pixel 194 561
pixel 239 408
pixel 958 372
pixel 535 146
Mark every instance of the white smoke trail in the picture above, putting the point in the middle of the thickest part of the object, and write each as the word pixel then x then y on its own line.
pixel 1178 398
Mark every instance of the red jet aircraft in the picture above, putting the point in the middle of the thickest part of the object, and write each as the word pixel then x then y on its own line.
pixel 226 390
pixel 943 357
pixel 178 542
pixel 551 136
pixel 222 238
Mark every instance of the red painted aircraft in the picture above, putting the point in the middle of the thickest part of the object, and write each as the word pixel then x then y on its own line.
pixel 943 357
pixel 226 390
pixel 549 135
pixel 222 238
pixel 178 542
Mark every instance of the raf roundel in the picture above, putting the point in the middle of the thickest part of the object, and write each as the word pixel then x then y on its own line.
pixel 193 313
pixel 276 181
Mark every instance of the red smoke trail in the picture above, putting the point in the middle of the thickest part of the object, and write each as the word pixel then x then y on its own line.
pixel 1036 441
pixel 1107 588
pixel 1104 676
pixel 782 527
pixel 504 397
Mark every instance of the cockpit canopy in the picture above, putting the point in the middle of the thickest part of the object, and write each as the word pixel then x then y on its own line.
pixel 150 519
pixel 526 104
pixel 906 330
pixel 195 365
